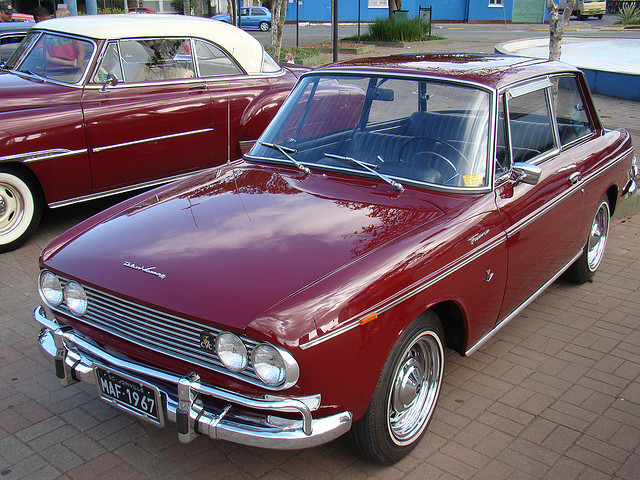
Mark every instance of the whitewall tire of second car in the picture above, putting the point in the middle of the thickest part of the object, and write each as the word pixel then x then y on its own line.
pixel 20 209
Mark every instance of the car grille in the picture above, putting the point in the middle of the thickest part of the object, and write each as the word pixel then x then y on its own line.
pixel 159 331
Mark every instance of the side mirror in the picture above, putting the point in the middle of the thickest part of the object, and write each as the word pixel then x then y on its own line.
pixel 111 81
pixel 527 173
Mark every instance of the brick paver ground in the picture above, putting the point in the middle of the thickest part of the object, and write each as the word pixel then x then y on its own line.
pixel 554 395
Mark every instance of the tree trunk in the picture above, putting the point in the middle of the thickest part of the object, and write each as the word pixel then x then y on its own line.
pixel 186 8
pixel 557 25
pixel 393 6
pixel 279 15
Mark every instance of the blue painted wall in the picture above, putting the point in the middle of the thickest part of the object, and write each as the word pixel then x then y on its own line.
pixel 448 10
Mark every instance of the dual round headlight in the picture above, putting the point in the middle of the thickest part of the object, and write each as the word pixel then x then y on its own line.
pixel 73 294
pixel 270 364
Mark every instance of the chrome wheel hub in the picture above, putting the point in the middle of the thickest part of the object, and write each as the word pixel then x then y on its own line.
pixel 415 388
pixel 598 237
pixel 11 207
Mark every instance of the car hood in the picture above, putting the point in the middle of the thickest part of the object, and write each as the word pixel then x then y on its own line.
pixel 18 93
pixel 227 245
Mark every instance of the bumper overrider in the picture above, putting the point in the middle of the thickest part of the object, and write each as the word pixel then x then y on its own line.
pixel 183 400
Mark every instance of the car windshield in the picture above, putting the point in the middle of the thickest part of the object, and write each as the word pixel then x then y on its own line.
pixel 52 56
pixel 417 131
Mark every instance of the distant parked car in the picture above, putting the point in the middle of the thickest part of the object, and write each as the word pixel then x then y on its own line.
pixel 96 105
pixel 250 18
pixel 11 34
pixel 140 10
pixel 393 207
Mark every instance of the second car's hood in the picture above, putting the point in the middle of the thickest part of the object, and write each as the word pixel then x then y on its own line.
pixel 228 245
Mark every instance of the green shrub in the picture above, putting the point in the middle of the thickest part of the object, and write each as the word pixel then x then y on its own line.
pixel 629 14
pixel 385 30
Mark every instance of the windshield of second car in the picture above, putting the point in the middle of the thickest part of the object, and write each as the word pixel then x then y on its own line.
pixel 52 56
pixel 414 130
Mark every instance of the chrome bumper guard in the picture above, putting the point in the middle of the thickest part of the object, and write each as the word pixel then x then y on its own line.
pixel 75 358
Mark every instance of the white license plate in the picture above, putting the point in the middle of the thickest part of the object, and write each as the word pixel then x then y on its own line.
pixel 130 395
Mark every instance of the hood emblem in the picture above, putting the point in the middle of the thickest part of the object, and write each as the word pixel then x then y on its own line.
pixel 148 270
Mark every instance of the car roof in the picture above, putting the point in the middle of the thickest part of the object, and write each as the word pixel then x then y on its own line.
pixel 245 49
pixel 493 71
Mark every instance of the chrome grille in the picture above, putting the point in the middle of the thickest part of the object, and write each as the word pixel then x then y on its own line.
pixel 158 331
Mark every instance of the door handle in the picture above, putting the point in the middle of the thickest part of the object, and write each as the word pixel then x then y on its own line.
pixel 575 177
pixel 202 86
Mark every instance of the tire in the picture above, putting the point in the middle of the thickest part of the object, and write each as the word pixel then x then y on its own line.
pixel 585 267
pixel 599 17
pixel 20 209
pixel 405 396
pixel 264 26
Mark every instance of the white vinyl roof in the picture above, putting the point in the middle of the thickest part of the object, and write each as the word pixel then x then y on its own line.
pixel 246 49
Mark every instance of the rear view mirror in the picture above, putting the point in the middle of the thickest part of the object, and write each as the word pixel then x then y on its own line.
pixel 383 94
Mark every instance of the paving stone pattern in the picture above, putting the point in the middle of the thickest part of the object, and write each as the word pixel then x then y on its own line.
pixel 554 395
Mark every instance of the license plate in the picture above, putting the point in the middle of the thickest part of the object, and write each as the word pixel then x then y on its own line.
pixel 130 395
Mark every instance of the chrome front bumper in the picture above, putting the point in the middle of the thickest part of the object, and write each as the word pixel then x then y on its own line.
pixel 75 358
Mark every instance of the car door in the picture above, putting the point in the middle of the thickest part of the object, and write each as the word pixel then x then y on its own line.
pixel 542 221
pixel 156 122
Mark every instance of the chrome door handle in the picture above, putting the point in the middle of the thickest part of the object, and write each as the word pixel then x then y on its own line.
pixel 202 86
pixel 575 177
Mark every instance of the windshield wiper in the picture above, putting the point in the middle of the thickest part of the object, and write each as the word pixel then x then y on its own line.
pixel 29 72
pixel 369 167
pixel 286 151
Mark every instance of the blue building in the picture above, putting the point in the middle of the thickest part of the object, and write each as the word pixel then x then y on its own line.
pixel 472 11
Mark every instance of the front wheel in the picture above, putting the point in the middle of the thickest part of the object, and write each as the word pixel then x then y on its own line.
pixel 20 209
pixel 405 396
pixel 264 26
pixel 584 268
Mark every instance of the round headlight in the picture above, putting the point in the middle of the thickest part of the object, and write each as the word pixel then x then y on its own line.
pixel 75 298
pixel 231 352
pixel 51 289
pixel 269 365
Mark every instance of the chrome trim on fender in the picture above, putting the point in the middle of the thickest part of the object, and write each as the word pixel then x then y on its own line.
pixel 131 188
pixel 513 314
pixel 413 290
pixel 151 139
pixel 41 155
pixel 75 359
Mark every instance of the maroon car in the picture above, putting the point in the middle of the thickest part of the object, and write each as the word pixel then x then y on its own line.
pixel 96 105
pixel 393 208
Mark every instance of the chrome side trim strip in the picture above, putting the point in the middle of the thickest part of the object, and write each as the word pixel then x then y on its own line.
pixel 41 155
pixel 413 290
pixel 515 313
pixel 131 188
pixel 152 139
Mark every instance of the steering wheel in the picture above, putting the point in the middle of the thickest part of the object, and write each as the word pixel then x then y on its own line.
pixel 434 153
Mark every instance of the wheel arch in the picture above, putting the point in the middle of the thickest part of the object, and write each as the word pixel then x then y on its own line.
pixel 612 197
pixel 452 320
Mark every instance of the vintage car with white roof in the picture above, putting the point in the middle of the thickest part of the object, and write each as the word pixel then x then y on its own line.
pixel 97 105
pixel 393 208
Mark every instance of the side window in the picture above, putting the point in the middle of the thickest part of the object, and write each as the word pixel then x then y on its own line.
pixel 110 63
pixel 530 125
pixel 573 122
pixel 157 59
pixel 8 44
pixel 213 61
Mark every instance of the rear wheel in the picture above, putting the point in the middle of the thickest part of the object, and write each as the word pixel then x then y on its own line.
pixel 20 209
pixel 405 396
pixel 584 268
pixel 264 26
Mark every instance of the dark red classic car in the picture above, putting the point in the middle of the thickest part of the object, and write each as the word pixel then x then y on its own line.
pixel 97 105
pixel 393 207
